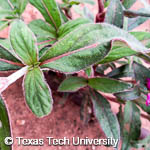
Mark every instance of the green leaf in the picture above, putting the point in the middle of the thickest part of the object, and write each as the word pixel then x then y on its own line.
pixel 85 37
pixel 129 95
pixel 53 12
pixel 88 14
pixel 132 124
pixel 144 37
pixel 112 15
pixel 4 13
pixel 141 74
pixel 145 143
pixel 128 3
pixel 85 113
pixel 44 41
pixel 135 22
pixel 3 24
pixel 106 3
pixel 5 43
pixel 118 52
pixel 82 58
pixel 70 26
pixel 4 126
pixel 72 84
pixel 43 50
pixel 41 28
pixel 8 61
pixel 22 5
pixel 120 118
pixel 39 5
pixel 126 141
pixel 5 4
pixel 6 66
pixel 89 71
pixel 64 17
pixel 83 1
pixel 7 10
pixel 123 71
pixel 23 43
pixel 107 120
pixel 103 84
pixel 6 54
pixel 141 102
pixel 19 5
pixel 37 93
pixel 88 34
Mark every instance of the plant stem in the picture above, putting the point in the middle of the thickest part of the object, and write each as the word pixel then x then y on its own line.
pixel 6 81
pixel 45 41
pixel 100 6
pixel 115 101
pixel 101 14
pixel 18 74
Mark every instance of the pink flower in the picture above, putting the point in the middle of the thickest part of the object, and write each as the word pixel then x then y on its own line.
pixel 148 83
pixel 148 99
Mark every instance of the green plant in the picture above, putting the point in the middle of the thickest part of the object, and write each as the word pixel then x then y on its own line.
pixel 69 46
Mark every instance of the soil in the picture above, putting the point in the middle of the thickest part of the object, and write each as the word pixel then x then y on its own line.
pixel 64 121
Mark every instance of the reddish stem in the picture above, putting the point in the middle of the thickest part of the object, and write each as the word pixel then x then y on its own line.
pixel 67 13
pixel 100 6
pixel 112 99
pixel 11 62
pixel 101 14
pixel 45 41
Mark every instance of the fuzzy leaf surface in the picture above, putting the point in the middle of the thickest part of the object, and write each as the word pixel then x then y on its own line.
pixel 103 84
pixel 8 61
pixel 70 26
pixel 72 84
pixel 144 37
pixel 3 24
pixel 23 43
pixel 5 43
pixel 77 60
pixel 112 15
pixel 128 3
pixel 53 11
pixel 4 13
pixel 123 71
pixel 118 52
pixel 141 103
pixel 39 5
pixel 107 120
pixel 5 9
pixel 93 33
pixel 6 66
pixel 19 5
pixel 132 124
pixel 130 94
pixel 141 74
pixel 41 28
pixel 87 36
pixel 135 22
pixel 121 50
pixel 37 93
pixel 145 143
